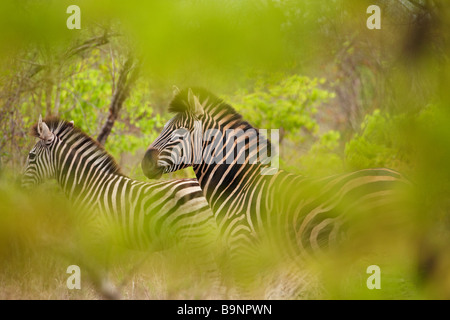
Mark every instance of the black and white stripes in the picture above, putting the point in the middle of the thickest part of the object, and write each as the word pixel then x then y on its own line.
pixel 91 179
pixel 306 215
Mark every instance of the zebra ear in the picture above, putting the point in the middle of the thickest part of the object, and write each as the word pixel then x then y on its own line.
pixel 43 131
pixel 194 104
pixel 176 91
pixel 71 123
pixel 39 130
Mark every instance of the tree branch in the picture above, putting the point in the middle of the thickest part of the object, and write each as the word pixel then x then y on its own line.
pixel 127 76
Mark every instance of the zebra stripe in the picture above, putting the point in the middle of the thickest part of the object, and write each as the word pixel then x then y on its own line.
pixel 305 215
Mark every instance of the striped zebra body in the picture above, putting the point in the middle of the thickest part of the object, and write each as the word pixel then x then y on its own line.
pixel 147 213
pixel 304 216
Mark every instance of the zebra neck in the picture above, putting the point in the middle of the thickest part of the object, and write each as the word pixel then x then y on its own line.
pixel 82 173
pixel 234 156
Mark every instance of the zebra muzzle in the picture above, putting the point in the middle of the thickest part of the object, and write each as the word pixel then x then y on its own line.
pixel 150 166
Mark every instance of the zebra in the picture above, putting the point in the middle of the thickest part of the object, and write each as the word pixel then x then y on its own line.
pixel 304 216
pixel 148 215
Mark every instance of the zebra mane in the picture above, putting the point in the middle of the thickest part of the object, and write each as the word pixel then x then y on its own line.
pixel 215 105
pixel 64 129
pixel 180 101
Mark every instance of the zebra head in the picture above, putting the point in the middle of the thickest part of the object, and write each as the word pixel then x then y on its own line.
pixel 180 143
pixel 206 131
pixel 39 165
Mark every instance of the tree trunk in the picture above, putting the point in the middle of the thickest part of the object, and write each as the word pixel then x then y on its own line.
pixel 126 78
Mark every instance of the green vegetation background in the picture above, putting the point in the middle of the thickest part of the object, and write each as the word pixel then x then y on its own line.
pixel 343 97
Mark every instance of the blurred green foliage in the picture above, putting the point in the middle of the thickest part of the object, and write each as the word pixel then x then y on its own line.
pixel 291 104
pixel 41 234
pixel 378 145
pixel 343 97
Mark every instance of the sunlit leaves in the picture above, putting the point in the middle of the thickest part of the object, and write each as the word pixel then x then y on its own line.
pixel 288 103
